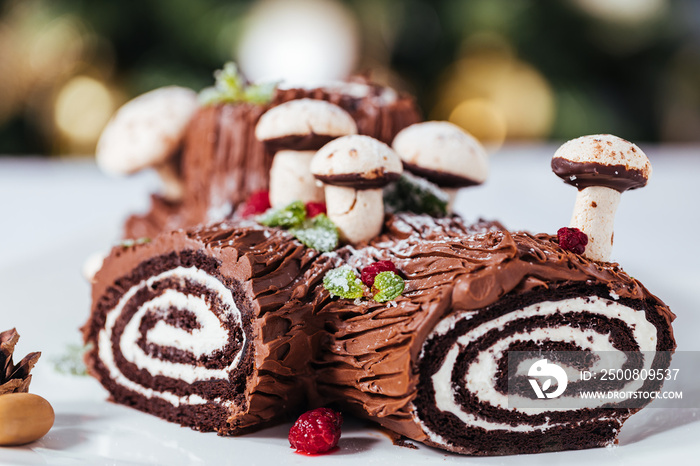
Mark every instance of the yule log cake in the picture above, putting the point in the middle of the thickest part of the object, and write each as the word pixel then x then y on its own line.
pixel 227 327
pixel 230 326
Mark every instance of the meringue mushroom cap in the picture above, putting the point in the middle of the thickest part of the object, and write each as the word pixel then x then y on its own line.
pixel 146 131
pixel 602 160
pixel 302 117
pixel 356 161
pixel 92 264
pixel 444 148
pixel 605 149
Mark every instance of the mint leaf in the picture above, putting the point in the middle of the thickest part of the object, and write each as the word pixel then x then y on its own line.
pixel 210 96
pixel 319 233
pixel 414 194
pixel 229 80
pixel 290 216
pixel 259 93
pixel 71 361
pixel 231 87
pixel 343 282
pixel 387 286
pixel 127 243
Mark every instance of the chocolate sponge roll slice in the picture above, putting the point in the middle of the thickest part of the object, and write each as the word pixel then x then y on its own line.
pixel 432 366
pixel 207 328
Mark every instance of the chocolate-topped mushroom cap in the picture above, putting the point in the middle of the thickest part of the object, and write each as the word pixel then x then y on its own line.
pixel 602 160
pixel 356 161
pixel 303 124
pixel 442 153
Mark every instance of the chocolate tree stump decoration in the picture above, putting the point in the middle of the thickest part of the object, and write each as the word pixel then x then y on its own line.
pixel 602 167
pixel 221 162
pixel 14 378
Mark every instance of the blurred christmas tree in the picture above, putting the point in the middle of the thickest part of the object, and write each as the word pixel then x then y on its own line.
pixel 504 69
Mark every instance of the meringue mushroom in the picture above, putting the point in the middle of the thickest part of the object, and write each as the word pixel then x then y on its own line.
pixel 147 132
pixel 296 129
pixel 354 169
pixel 92 264
pixel 442 153
pixel 601 166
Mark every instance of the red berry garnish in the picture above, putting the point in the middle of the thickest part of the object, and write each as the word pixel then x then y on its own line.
pixel 368 273
pixel 257 203
pixel 572 239
pixel 316 431
pixel 315 208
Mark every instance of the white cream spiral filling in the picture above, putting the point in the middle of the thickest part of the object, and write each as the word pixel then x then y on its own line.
pixel 481 373
pixel 211 336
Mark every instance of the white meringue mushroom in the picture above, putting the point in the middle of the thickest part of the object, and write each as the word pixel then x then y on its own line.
pixel 354 169
pixel 290 178
pixel 304 117
pixel 147 132
pixel 601 166
pixel 444 154
pixel 92 264
pixel 297 127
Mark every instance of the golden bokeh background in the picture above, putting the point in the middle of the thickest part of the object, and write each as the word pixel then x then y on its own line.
pixel 505 70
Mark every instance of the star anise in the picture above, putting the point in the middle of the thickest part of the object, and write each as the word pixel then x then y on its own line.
pixel 14 378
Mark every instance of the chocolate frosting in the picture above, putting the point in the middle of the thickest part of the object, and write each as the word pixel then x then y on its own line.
pixel 448 266
pixel 584 175
pixel 375 180
pixel 301 142
pixel 364 355
pixel 442 179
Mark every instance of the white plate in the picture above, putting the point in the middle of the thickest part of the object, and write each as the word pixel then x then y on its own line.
pixel 55 214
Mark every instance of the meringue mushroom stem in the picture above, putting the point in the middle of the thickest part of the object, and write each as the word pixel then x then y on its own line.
pixel 594 214
pixel 291 179
pixel 451 196
pixel 173 187
pixel 92 265
pixel 358 214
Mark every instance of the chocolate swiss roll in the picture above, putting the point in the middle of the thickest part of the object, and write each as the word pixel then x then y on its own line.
pixel 222 162
pixel 431 365
pixel 229 327
pixel 208 328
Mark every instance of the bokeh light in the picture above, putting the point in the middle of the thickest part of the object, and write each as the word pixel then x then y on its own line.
pixel 504 70
pixel 517 101
pixel 623 11
pixel 83 107
pixel 483 119
pixel 55 48
pixel 301 41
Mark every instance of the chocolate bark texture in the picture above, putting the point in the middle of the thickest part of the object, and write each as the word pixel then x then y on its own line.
pixel 472 293
pixel 222 162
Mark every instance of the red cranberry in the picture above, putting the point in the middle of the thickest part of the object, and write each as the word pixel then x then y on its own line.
pixel 257 203
pixel 315 208
pixel 368 274
pixel 572 239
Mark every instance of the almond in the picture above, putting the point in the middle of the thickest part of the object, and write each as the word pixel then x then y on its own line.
pixel 24 418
